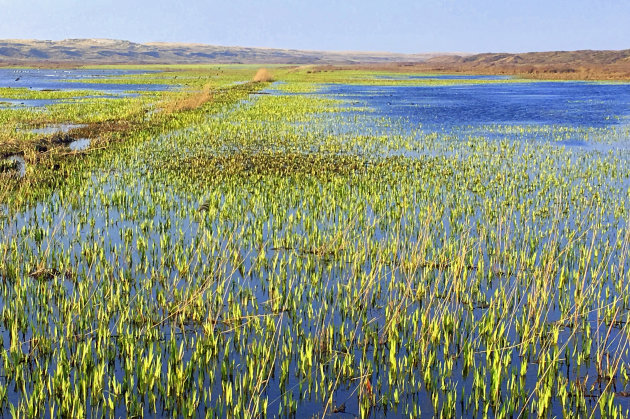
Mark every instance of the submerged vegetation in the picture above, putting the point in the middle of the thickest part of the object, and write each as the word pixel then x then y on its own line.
pixel 221 249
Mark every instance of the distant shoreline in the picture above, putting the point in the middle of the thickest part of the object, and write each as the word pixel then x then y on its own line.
pixel 73 53
pixel 593 72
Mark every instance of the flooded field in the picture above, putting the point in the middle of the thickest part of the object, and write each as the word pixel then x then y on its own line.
pixel 437 108
pixel 80 79
pixel 330 244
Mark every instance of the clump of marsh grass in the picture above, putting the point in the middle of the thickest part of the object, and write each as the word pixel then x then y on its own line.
pixel 190 102
pixel 262 75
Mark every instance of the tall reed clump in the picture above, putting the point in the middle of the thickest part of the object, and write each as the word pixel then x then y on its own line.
pixel 262 75
pixel 190 102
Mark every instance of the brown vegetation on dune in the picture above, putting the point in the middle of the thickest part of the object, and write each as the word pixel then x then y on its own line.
pixel 262 75
pixel 542 72
pixel 558 65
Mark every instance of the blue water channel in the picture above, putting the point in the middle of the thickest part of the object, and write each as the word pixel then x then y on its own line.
pixel 573 103
pixel 71 79
pixel 75 79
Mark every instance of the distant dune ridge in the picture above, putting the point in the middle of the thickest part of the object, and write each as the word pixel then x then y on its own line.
pixel 579 65
pixel 109 51
pixel 585 64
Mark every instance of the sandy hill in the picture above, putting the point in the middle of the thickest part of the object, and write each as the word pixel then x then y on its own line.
pixel 109 51
pixel 584 64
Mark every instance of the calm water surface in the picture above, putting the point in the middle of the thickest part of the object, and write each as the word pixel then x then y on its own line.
pixel 50 79
pixel 529 103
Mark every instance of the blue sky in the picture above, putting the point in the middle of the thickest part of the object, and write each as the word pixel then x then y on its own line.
pixel 366 25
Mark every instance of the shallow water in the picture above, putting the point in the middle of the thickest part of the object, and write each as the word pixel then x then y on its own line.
pixel 76 79
pixel 442 77
pixel 49 79
pixel 444 108
pixel 58 128
pixel 30 103
pixel 21 168
pixel 80 144
pixel 132 197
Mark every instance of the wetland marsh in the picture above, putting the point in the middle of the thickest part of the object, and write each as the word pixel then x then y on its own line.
pixel 328 244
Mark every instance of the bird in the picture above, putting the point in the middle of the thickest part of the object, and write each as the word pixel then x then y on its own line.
pixel 340 409
pixel 18 79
